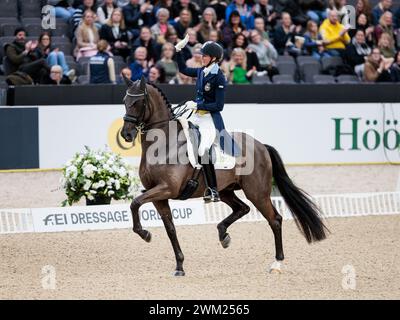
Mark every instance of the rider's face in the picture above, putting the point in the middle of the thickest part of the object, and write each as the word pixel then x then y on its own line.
pixel 205 59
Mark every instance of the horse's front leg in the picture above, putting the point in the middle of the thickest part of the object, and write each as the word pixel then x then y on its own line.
pixel 164 210
pixel 157 193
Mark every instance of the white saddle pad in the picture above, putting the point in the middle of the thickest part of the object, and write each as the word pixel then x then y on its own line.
pixel 223 161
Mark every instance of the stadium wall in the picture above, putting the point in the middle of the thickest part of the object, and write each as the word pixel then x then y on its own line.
pixel 46 137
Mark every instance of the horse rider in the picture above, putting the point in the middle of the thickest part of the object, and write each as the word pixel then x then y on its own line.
pixel 210 88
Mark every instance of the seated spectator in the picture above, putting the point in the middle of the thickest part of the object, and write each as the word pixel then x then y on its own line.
pixel 334 34
pixel 284 36
pixel 125 72
pixel 266 12
pixel 53 55
pixel 145 40
pixel 115 33
pixel 395 68
pixel 161 28
pixel 102 67
pixel 167 4
pixel 166 62
pixel 133 12
pixel 192 6
pixel 140 66
pixel 193 39
pixel 363 23
pixel 266 53
pixel 156 75
pixel 105 11
pixel 259 25
pixel 195 60
pixel 357 52
pixel 377 67
pixel 215 36
pixel 316 10
pixel 385 25
pixel 21 57
pixel 57 77
pixel 87 37
pixel 386 46
pixel 219 7
pixel 380 9
pixel 208 23
pixel 364 7
pixel 245 13
pixel 79 13
pixel 63 9
pixel 237 70
pixel 234 26
pixel 240 41
pixel 184 22
pixel 292 7
pixel 340 7
pixel 313 44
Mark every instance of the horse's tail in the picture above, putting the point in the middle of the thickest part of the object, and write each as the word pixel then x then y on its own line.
pixel 306 213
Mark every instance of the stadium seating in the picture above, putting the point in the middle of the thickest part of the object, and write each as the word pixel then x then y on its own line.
pixel 323 79
pixel 283 79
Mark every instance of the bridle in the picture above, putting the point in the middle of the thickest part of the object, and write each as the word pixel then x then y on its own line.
pixel 138 121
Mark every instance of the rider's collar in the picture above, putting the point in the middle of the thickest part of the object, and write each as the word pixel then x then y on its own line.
pixel 212 68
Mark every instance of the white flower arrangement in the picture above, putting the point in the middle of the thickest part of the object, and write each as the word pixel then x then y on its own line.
pixel 98 174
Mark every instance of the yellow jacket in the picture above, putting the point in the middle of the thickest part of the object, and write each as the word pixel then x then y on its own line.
pixel 331 32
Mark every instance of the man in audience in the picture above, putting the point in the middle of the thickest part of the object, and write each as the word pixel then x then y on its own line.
pixel 334 34
pixel 379 9
pixel 20 56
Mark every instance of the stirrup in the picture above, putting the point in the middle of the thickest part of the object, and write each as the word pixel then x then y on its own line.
pixel 211 195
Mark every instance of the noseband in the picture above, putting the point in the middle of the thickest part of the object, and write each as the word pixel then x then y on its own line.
pixel 138 122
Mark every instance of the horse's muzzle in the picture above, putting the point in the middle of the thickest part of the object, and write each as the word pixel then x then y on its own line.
pixel 129 136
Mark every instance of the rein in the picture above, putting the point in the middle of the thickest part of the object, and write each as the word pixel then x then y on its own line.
pixel 139 121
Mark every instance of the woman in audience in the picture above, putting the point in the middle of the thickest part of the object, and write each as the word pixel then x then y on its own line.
pixel 357 52
pixel 208 23
pixel 156 75
pixel 266 53
pixel 105 11
pixel 116 34
pixel 87 36
pixel 141 65
pixel 395 68
pixel 386 45
pixel 160 29
pixel 240 41
pixel 52 55
pixel 284 36
pixel 364 7
pixel 234 26
pixel 167 63
pixel 385 25
pixel 237 70
pixel 363 23
pixel 145 40
pixel 377 67
pixel 313 44
pixel 184 22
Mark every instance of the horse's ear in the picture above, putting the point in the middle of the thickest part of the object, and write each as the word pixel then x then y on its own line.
pixel 143 84
pixel 128 81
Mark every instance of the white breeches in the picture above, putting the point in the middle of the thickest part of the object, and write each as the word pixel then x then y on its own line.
pixel 207 131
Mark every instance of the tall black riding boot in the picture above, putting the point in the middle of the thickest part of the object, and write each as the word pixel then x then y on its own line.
pixel 211 193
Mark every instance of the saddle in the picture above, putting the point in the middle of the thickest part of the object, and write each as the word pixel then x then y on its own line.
pixel 222 161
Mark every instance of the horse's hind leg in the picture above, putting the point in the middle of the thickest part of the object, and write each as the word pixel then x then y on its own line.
pixel 165 211
pixel 239 210
pixel 264 205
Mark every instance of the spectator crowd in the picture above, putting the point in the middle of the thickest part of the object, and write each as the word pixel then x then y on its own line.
pixel 263 40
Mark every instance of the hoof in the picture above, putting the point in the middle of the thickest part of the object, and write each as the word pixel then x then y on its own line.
pixel 147 238
pixel 275 267
pixel 226 242
pixel 179 273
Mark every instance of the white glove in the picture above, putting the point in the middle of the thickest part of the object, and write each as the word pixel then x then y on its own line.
pixel 181 44
pixel 191 105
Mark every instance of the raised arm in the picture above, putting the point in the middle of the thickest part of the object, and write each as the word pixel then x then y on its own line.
pixel 190 72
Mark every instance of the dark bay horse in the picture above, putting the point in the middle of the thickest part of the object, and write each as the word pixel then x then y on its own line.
pixel 148 109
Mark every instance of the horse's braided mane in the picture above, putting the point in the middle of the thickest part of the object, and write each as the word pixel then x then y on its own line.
pixel 162 94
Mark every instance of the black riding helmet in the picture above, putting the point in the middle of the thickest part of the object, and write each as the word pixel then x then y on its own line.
pixel 212 49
